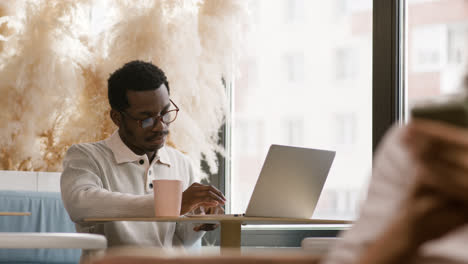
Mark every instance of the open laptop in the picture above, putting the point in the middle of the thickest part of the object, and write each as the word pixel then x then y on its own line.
pixel 290 182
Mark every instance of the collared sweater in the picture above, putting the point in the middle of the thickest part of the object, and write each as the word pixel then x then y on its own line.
pixel 107 179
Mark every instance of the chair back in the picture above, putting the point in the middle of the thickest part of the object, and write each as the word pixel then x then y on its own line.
pixel 47 215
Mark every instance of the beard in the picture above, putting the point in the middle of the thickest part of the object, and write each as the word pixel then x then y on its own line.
pixel 142 143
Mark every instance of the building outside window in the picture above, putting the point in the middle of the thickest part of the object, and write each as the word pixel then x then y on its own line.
pixel 306 53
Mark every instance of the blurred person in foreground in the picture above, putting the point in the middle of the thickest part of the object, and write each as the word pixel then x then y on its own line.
pixel 417 205
pixel 416 210
pixel 113 177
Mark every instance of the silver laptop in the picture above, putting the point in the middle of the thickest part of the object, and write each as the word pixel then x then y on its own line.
pixel 290 182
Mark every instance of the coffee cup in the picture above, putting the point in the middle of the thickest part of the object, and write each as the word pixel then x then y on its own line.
pixel 167 197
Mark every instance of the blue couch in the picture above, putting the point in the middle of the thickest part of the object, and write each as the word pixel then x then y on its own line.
pixel 47 215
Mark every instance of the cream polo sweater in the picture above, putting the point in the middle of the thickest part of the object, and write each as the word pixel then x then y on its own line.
pixel 106 179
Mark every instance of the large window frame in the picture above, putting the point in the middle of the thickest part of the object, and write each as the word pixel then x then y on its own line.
pixel 388 108
pixel 388 62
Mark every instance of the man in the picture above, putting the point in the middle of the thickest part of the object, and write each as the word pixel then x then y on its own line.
pixel 417 205
pixel 113 177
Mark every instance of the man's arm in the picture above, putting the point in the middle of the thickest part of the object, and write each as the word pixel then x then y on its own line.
pixel 84 197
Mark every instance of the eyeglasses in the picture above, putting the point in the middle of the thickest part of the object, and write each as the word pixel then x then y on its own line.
pixel 167 118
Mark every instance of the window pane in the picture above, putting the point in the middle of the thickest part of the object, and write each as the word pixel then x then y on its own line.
pixel 306 81
pixel 437 47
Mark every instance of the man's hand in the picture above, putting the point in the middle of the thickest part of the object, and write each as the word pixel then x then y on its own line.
pixel 210 227
pixel 198 195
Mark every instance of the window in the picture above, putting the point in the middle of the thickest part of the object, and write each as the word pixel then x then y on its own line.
pixel 341 8
pixel 359 5
pixel 293 131
pixel 305 54
pixel 346 64
pixel 437 34
pixel 293 64
pixel 293 10
pixel 456 44
pixel 345 129
pixel 346 7
pixel 429 44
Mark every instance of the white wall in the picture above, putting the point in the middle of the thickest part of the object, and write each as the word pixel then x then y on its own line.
pixel 30 181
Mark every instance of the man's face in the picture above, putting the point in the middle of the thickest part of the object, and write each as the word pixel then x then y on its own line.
pixel 145 104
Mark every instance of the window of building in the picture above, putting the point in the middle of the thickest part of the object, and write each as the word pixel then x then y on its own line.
pixel 345 129
pixel 294 131
pixel 341 8
pixel 293 10
pixel 359 5
pixel 346 64
pixel 293 64
pixel 307 55
pixel 456 44
pixel 429 45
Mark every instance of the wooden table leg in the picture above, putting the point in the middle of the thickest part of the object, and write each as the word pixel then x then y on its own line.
pixel 230 235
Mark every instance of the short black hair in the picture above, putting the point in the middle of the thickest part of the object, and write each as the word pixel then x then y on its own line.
pixel 136 76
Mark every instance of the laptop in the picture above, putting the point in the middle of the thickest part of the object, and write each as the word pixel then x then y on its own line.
pixel 290 182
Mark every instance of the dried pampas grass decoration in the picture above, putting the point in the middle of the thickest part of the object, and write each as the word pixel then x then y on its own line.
pixel 40 77
pixel 53 72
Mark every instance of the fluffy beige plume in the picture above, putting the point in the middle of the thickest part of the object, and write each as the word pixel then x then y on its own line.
pixel 221 27
pixel 40 75
pixel 53 74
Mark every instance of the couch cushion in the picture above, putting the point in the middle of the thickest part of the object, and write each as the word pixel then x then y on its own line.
pixel 47 215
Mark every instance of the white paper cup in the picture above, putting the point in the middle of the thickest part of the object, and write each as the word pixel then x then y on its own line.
pixel 167 197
